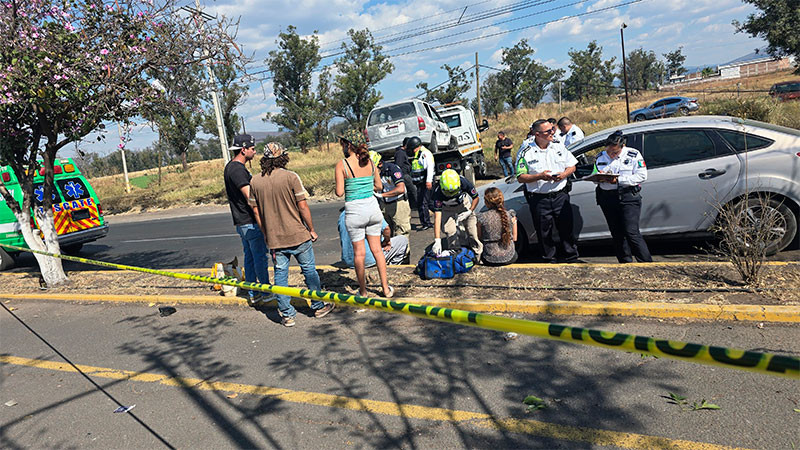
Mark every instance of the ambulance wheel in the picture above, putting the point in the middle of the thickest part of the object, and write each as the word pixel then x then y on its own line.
pixel 6 261
pixel 72 249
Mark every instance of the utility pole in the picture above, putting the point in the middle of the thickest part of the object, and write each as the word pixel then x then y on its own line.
pixel 625 73
pixel 559 97
pixel 223 139
pixel 124 163
pixel 478 88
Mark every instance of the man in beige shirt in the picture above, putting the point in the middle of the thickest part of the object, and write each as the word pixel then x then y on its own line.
pixel 281 210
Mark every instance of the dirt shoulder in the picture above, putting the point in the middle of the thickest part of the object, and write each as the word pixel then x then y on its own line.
pixel 685 284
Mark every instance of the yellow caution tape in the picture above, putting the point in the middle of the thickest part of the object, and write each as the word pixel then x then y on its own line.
pixel 766 363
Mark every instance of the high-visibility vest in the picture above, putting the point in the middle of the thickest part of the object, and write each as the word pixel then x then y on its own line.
pixel 418 171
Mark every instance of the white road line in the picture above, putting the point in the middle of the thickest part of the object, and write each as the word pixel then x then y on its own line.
pixel 180 238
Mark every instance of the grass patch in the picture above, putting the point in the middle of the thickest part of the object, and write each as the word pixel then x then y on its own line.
pixel 141 181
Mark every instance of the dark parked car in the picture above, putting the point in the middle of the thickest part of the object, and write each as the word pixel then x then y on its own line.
pixel 666 107
pixel 788 90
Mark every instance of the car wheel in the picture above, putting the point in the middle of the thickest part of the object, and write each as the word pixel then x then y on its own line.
pixel 453 143
pixel 72 250
pixel 684 111
pixel 6 261
pixel 782 233
pixel 433 146
pixel 639 118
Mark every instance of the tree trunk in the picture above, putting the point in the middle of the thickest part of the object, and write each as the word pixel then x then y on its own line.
pixel 51 268
pixel 183 161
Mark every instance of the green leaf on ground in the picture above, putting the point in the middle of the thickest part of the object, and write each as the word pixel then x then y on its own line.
pixel 703 405
pixel 797 410
pixel 534 403
pixel 676 399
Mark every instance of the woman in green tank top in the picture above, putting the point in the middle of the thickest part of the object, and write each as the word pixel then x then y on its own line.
pixel 357 180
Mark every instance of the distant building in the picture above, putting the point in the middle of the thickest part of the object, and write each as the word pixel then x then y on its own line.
pixel 755 63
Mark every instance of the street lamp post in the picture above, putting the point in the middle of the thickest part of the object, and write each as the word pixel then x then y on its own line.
pixel 625 72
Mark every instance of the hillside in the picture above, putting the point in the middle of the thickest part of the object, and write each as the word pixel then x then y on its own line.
pixel 203 184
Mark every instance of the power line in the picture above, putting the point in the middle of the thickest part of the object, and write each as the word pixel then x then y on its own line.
pixel 446 81
pixel 499 33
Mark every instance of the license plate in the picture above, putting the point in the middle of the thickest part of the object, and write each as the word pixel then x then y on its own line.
pixel 80 214
pixel 392 130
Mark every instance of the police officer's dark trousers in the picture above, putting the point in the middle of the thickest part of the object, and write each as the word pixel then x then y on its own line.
pixel 424 204
pixel 551 212
pixel 622 208
pixel 411 190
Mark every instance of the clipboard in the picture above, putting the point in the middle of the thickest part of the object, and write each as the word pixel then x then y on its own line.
pixel 600 177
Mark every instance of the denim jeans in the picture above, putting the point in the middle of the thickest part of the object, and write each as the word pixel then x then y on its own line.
pixel 304 254
pixel 255 254
pixel 507 165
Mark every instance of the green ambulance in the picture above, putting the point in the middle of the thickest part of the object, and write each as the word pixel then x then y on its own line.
pixel 77 214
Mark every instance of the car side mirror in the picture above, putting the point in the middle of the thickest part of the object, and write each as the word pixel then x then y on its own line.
pixel 484 126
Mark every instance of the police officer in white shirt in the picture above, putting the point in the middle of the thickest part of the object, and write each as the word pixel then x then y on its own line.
pixel 544 168
pixel 619 197
pixel 570 133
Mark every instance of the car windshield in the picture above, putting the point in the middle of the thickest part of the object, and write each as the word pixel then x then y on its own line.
pixel 788 87
pixel 391 113
pixel 453 121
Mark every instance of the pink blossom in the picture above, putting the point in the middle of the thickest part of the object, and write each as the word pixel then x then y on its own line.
pixel 104 51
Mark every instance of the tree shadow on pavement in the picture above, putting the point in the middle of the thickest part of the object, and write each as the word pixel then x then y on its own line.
pixel 189 346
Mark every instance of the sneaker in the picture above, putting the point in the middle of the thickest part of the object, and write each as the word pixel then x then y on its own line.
pixel 287 321
pixel 322 312
pixel 255 299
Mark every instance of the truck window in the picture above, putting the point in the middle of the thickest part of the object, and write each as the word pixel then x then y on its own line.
pixel 453 121
pixel 391 113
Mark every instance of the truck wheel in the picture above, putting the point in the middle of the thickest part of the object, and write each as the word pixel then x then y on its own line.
pixel 6 261
pixel 433 146
pixel 453 143
pixel 72 250
pixel 480 166
pixel 469 172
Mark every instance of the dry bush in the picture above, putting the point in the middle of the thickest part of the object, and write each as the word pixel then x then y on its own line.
pixel 746 232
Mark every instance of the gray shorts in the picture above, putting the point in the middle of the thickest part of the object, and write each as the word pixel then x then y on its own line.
pixel 363 217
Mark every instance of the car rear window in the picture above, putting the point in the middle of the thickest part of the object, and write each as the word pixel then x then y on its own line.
pixel 391 113
pixel 666 148
pixel 453 121
pixel 741 141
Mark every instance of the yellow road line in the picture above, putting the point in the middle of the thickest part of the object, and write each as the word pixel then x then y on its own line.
pixel 747 313
pixel 480 420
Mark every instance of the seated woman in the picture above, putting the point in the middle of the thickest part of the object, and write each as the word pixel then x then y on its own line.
pixel 497 229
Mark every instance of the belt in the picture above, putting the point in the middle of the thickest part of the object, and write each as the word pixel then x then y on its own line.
pixel 547 195
pixel 626 189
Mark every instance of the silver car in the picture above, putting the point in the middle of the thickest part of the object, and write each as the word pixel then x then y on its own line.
pixel 693 164
pixel 666 107
pixel 388 125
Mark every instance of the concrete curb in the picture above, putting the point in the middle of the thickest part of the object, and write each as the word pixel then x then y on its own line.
pixel 748 313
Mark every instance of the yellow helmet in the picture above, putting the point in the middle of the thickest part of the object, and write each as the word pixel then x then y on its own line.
pixel 450 182
pixel 375 157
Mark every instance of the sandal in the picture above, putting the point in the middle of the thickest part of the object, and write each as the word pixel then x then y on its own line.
pixel 390 294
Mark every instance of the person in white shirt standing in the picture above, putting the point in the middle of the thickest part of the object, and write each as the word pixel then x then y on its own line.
pixel 570 133
pixel 422 171
pixel 619 197
pixel 544 168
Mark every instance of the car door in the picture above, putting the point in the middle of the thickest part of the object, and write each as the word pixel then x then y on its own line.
pixel 653 110
pixel 442 130
pixel 688 172
pixel 590 223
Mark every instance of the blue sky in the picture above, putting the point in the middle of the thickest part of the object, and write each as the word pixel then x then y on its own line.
pixel 702 27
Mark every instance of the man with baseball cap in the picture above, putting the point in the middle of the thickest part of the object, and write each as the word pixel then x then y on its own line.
pixel 237 187
pixel 281 209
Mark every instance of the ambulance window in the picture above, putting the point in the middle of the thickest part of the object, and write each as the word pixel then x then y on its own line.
pixel 73 189
pixel 38 195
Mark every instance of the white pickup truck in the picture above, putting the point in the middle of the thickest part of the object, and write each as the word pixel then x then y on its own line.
pixel 467 159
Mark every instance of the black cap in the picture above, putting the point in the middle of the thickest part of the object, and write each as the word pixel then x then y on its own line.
pixel 241 141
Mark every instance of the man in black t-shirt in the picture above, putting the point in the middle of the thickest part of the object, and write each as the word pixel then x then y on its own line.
pixel 502 153
pixel 403 161
pixel 237 187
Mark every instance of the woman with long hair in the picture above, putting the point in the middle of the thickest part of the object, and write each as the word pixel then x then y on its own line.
pixel 357 179
pixel 497 229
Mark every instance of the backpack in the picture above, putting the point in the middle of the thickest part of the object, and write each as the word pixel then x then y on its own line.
pixel 446 265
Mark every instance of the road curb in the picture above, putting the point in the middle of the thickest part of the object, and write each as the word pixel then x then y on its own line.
pixel 747 313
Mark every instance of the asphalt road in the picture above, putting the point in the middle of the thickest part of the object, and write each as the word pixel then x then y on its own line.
pixel 232 377
pixel 201 237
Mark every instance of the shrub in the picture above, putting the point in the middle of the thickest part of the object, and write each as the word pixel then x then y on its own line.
pixel 746 108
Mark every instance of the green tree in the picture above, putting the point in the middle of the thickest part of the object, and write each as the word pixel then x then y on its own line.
pixel 675 60
pixel 457 84
pixel 292 65
pixel 493 95
pixel 707 72
pixel 645 71
pixel 524 80
pixel 591 77
pixel 777 22
pixel 361 68
pixel 68 67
